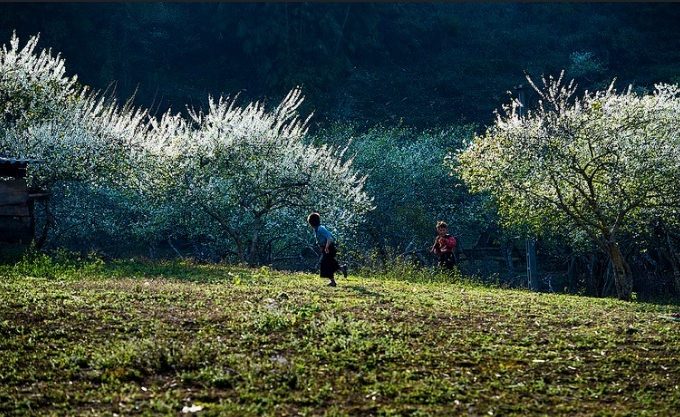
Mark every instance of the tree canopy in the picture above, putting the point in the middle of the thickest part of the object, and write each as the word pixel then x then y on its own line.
pixel 217 179
pixel 598 165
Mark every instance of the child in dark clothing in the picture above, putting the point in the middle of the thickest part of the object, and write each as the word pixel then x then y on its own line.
pixel 326 242
pixel 444 246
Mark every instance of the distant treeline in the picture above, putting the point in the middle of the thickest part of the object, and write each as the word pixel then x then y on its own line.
pixel 426 64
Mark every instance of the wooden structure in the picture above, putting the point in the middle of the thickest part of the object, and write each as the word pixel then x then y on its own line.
pixel 16 202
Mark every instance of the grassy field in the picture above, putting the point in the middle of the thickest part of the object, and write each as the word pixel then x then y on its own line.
pixel 134 338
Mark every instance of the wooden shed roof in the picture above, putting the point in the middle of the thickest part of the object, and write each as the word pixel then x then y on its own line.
pixel 20 162
pixel 15 167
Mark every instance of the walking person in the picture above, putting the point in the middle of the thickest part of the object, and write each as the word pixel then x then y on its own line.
pixel 326 242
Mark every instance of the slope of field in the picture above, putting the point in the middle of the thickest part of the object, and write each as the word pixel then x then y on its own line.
pixel 171 339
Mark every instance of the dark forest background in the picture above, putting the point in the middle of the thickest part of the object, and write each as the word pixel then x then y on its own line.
pixel 427 65
pixel 409 83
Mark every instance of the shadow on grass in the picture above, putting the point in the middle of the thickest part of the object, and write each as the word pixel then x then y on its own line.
pixel 364 291
pixel 668 301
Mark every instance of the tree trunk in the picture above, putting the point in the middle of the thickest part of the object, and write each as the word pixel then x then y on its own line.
pixel 591 282
pixel 253 248
pixel 609 280
pixel 379 243
pixel 571 274
pixel 674 260
pixel 49 221
pixel 507 250
pixel 623 278
pixel 532 269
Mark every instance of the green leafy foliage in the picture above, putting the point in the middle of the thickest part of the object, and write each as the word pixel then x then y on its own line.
pixel 411 186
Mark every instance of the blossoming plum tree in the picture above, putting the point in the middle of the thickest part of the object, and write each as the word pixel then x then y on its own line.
pixel 238 179
pixel 82 139
pixel 247 176
pixel 600 164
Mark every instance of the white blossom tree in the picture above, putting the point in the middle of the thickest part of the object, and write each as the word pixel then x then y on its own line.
pixel 240 179
pixel 79 135
pixel 247 176
pixel 82 139
pixel 601 163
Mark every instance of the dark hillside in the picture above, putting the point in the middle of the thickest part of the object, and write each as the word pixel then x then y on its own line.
pixel 425 64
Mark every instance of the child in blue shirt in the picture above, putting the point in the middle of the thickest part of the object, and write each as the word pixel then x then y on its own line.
pixel 326 242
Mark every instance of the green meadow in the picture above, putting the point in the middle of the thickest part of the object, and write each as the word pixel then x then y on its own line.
pixel 178 338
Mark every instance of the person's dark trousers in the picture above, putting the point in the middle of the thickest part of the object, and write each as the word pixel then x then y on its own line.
pixel 329 265
pixel 447 260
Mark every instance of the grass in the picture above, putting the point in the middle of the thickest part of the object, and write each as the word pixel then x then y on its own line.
pixel 138 338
